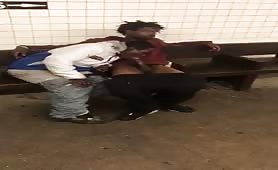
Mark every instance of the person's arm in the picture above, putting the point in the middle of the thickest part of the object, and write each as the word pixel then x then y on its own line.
pixel 62 64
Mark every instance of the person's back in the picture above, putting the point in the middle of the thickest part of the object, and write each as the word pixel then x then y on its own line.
pixel 68 62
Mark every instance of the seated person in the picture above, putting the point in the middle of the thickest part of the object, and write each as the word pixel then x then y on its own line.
pixel 66 73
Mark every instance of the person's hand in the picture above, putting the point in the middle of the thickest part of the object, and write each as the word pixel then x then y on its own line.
pixel 213 47
pixel 20 51
pixel 83 83
pixel 103 68
pixel 143 67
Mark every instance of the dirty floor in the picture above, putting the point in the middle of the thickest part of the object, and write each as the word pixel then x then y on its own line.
pixel 229 131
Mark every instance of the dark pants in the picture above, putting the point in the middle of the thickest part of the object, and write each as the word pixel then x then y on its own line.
pixel 154 91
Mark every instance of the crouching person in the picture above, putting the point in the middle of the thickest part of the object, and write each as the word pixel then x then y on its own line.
pixel 66 73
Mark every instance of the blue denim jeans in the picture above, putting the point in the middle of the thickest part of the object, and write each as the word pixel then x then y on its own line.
pixel 68 101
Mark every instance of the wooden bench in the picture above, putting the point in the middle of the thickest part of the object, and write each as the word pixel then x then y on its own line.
pixel 228 67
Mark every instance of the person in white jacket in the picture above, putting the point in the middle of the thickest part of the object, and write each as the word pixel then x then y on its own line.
pixel 66 73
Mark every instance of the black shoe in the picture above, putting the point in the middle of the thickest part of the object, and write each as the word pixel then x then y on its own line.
pixel 135 115
pixel 179 108
pixel 83 119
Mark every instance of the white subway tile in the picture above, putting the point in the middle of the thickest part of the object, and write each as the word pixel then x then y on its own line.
pixel 95 26
pixel 254 29
pixel 19 13
pixel 192 12
pixel 270 24
pixel 187 31
pixel 58 13
pixel 179 6
pixel 203 24
pixel 57 5
pixel 239 35
pixel 215 30
pixel 59 20
pixel 251 35
pixel 210 5
pixel 42 33
pixel 41 27
pixel 42 41
pixel 201 30
pixel 94 33
pixel 59 33
pixel 5 34
pixel 20 20
pixel 39 13
pixel 177 13
pixel 267 29
pixel 271 19
pixel 224 6
pixel 4 13
pixel 161 6
pixel 239 29
pixel 77 5
pixel 161 19
pixel 220 18
pixel 218 24
pixel 23 34
pixel 257 24
pixel 253 6
pixel 236 12
pixel 77 20
pixel 77 33
pixel 7 27
pixel 59 26
pixel 208 12
pixel 110 26
pixel 77 26
pixel 95 13
pixel 60 40
pixel 112 19
pixel 244 24
pixel 7 41
pixel 76 39
pixel 95 20
pixel 174 25
pixel 40 20
pixel 233 18
pixel 262 12
pixel 24 40
pixel 130 12
pixel 22 27
pixel 189 25
pixel 112 13
pixel 144 6
pixel 177 19
pixel 231 24
pixel 95 5
pixel 111 5
pixel 162 12
pixel 194 6
pixel 7 46
pixel 222 12
pixel 206 18
pixel 260 18
pixel 130 6
pixel 249 12
pixel 246 18
pixel 190 19
pixel 76 13
pixel 145 13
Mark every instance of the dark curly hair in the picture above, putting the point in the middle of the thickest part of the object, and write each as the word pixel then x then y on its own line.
pixel 137 25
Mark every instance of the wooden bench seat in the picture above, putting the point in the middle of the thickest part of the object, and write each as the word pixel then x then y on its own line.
pixel 229 66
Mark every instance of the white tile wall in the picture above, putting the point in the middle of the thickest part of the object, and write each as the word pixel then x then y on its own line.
pixel 68 21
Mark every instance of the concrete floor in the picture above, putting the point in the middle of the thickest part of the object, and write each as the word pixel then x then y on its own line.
pixel 229 131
